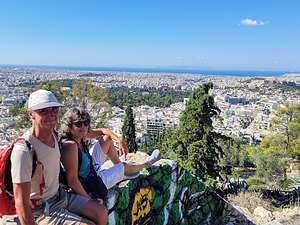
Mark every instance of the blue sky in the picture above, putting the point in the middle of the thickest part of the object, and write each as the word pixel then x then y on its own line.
pixel 211 34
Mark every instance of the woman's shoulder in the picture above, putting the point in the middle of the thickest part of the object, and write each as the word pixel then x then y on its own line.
pixel 69 145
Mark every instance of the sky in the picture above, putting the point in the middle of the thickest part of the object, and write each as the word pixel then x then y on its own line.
pixel 206 34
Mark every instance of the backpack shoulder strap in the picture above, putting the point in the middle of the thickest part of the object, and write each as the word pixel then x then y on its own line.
pixel 85 148
pixel 30 148
pixel 7 176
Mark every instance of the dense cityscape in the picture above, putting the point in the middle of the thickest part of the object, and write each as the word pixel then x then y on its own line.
pixel 246 102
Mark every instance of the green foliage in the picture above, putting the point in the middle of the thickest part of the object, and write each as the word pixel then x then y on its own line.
pixel 286 121
pixel 196 145
pixel 235 153
pixel 288 184
pixel 164 97
pixel 256 183
pixel 274 143
pixel 271 157
pixel 211 183
pixel 93 98
pixel 85 93
pixel 102 113
pixel 161 141
pixel 19 114
pixel 270 166
pixel 128 130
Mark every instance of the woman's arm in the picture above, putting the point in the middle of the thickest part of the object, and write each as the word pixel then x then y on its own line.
pixel 69 158
pixel 93 133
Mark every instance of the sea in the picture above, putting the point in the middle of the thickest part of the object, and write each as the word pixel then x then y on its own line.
pixel 179 70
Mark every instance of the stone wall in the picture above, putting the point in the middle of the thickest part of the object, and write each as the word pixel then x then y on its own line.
pixel 164 194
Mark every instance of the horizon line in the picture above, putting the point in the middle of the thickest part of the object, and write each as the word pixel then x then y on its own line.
pixel 191 68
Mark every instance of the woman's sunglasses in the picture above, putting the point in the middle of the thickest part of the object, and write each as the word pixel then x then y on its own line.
pixel 80 123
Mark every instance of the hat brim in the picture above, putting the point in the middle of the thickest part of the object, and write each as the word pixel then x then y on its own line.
pixel 46 105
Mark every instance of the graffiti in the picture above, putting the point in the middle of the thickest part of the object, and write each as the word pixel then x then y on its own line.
pixel 141 206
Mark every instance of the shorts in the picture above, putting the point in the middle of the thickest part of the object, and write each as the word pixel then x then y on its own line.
pixel 63 208
pixel 99 157
pixel 113 175
pixel 110 176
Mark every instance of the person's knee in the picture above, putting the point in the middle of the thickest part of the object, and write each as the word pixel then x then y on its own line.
pixel 102 215
pixel 95 211
pixel 126 168
pixel 107 139
pixel 106 143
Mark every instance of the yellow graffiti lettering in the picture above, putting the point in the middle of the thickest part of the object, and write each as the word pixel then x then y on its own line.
pixel 141 206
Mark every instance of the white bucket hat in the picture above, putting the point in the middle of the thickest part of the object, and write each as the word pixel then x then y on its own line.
pixel 41 99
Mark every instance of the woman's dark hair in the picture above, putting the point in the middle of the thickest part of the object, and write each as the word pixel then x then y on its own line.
pixel 71 116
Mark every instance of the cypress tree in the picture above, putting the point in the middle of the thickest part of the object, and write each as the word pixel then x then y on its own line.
pixel 197 147
pixel 128 130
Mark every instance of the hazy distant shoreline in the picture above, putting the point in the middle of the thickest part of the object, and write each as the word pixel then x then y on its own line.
pixel 179 70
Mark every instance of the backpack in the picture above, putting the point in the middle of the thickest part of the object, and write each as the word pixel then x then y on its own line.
pixel 7 202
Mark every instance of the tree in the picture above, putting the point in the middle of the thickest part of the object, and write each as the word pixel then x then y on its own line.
pixel 85 94
pixel 160 141
pixel 196 145
pixel 128 130
pixel 286 122
pixel 235 153
pixel 19 114
pixel 272 156
pixel 270 166
pixel 92 98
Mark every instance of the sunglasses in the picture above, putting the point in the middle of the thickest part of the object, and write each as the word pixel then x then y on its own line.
pixel 48 110
pixel 80 123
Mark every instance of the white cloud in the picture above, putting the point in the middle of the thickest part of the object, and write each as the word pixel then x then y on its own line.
pixel 251 22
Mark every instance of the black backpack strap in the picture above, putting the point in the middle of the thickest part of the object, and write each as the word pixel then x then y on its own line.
pixel 7 177
pixel 34 156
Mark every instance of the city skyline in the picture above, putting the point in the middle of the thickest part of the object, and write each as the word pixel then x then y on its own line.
pixel 256 35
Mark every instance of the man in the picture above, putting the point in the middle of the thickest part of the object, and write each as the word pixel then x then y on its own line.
pixel 38 197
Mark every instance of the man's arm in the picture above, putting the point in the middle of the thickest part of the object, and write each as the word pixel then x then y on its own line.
pixel 21 172
pixel 93 133
pixel 22 203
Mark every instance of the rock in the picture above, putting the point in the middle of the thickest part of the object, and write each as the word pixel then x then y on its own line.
pixel 163 194
pixel 132 158
pixel 262 212
pixel 288 216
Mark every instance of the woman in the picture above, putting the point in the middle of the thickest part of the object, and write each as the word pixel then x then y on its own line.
pixel 78 163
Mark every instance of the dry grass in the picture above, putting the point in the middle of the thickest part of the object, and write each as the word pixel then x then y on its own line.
pixel 250 200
